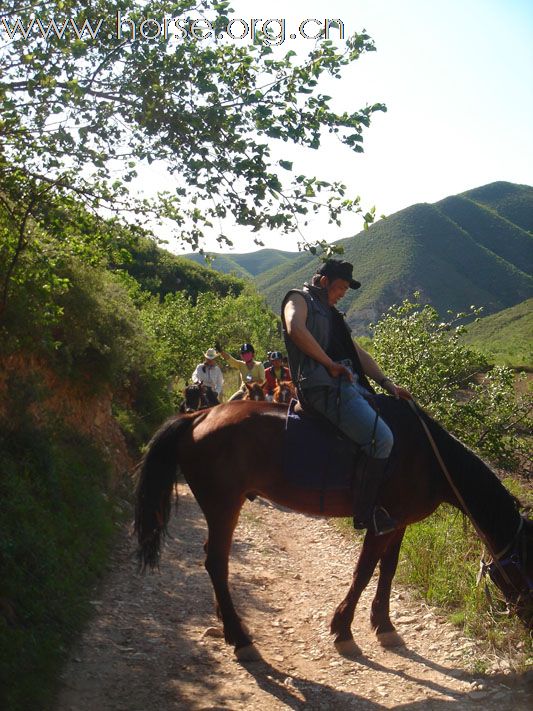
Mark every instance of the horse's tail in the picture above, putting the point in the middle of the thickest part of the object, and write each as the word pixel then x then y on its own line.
pixel 157 475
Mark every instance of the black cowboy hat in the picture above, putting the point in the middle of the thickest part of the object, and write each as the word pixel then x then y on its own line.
pixel 336 269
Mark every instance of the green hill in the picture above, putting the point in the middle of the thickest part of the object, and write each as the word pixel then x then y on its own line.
pixel 162 272
pixel 456 252
pixel 489 230
pixel 511 201
pixel 472 248
pixel 505 337
pixel 246 265
pixel 223 263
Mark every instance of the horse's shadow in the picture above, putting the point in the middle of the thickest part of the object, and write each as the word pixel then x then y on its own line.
pixel 299 693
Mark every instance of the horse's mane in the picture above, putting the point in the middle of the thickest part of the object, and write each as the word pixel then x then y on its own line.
pixel 476 480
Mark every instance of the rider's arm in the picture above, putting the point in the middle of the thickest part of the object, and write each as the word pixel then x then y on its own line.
pixel 195 377
pixel 372 369
pixel 369 365
pixel 233 362
pixel 268 385
pixel 295 314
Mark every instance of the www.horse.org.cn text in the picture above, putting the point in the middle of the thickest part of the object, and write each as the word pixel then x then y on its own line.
pixel 271 32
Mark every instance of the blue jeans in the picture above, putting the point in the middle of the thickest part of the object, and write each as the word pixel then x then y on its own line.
pixel 348 410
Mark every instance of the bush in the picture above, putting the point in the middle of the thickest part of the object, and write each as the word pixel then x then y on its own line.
pixel 99 333
pixel 427 356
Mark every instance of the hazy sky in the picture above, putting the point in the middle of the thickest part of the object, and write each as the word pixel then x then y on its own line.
pixel 456 78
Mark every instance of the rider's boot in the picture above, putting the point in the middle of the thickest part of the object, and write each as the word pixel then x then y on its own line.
pixel 370 474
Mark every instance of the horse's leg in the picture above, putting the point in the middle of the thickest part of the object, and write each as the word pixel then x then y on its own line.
pixel 221 525
pixel 380 615
pixel 373 548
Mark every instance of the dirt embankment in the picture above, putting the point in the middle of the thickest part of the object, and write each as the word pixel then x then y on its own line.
pixel 78 406
pixel 147 647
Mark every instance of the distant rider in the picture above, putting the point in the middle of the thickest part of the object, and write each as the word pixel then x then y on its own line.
pixel 252 371
pixel 275 374
pixel 209 374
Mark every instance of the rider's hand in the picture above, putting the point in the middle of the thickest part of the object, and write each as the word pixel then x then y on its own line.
pixel 396 390
pixel 337 370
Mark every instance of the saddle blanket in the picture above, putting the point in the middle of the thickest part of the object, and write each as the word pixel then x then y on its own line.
pixel 315 456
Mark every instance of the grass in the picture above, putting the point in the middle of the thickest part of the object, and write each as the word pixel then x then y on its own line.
pixel 505 337
pixel 56 527
pixel 440 560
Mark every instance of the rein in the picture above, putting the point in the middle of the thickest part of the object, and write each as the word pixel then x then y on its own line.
pixel 497 561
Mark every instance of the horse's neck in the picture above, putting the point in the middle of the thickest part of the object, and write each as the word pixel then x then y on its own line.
pixel 489 505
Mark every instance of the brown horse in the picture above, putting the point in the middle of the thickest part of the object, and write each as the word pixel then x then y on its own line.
pixel 198 396
pixel 250 391
pixel 284 392
pixel 216 450
pixel 254 391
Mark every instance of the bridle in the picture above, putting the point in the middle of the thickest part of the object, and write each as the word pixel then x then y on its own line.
pixel 509 563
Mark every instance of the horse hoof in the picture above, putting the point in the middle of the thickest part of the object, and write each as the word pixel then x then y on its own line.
pixel 348 648
pixel 249 653
pixel 390 639
pixel 213 632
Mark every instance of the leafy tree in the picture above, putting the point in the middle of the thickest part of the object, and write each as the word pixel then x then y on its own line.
pixel 82 106
pixel 427 356
pixel 181 330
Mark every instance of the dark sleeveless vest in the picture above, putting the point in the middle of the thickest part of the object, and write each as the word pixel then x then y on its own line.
pixel 322 322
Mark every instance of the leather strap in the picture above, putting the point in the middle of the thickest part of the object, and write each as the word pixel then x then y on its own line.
pixel 457 493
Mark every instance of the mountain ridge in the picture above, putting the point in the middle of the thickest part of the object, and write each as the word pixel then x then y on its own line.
pixel 464 249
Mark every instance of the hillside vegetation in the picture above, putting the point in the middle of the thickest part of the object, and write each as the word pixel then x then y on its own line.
pixel 472 248
pixel 506 337
pixel 161 272
pixel 95 326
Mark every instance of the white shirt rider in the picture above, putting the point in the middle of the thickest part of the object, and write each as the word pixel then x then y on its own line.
pixel 208 372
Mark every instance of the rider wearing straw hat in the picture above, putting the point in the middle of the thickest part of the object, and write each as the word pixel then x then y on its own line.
pixel 208 373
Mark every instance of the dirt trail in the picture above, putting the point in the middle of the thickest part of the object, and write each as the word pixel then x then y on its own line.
pixel 145 648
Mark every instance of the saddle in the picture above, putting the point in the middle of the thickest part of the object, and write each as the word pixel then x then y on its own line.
pixel 316 454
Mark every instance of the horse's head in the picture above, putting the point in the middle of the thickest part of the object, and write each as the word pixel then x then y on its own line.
pixel 254 391
pixel 512 573
pixel 284 392
pixel 192 397
pixel 198 397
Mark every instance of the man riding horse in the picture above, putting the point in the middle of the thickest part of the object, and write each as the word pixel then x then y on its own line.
pixel 209 374
pixel 330 372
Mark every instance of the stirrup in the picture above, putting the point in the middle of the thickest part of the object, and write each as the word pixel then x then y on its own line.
pixel 382 522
